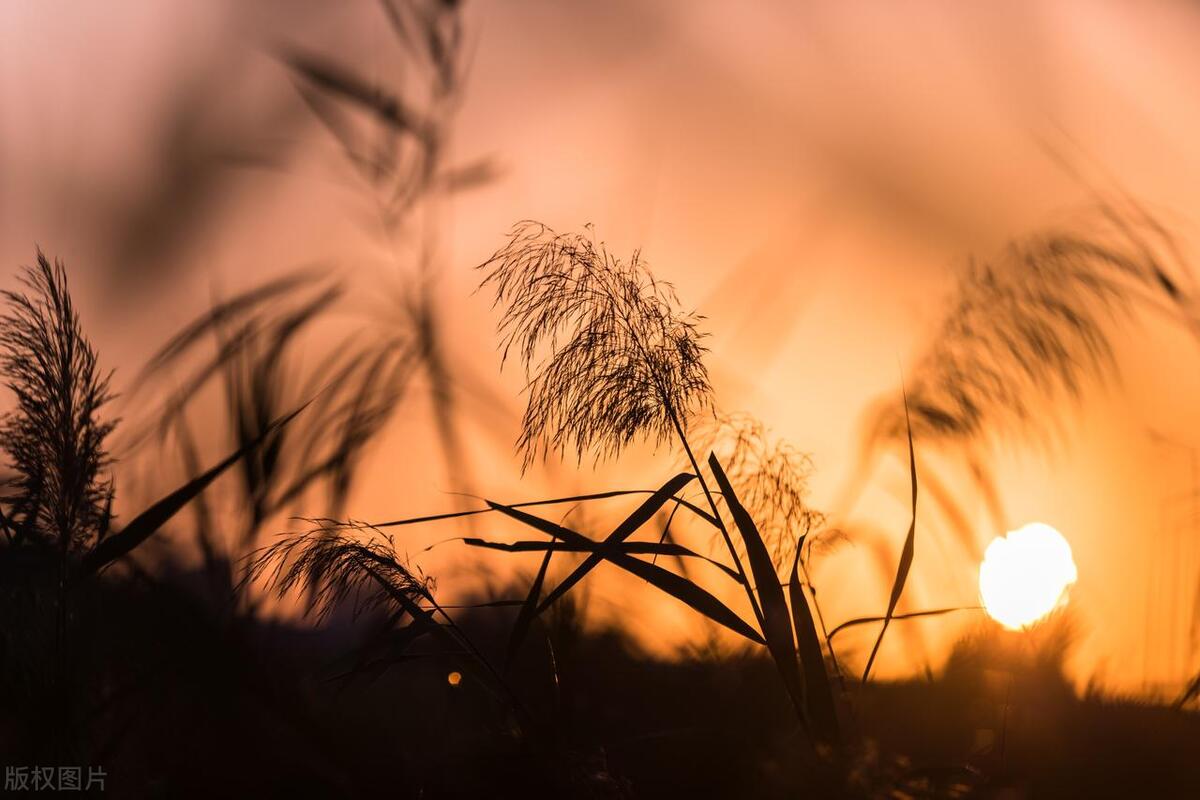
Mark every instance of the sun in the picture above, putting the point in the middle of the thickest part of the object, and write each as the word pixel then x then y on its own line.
pixel 1025 575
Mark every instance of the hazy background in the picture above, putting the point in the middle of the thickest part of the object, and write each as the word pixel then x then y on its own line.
pixel 808 174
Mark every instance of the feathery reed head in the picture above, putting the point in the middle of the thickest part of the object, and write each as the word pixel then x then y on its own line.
pixel 771 478
pixel 608 353
pixel 334 565
pixel 1032 324
pixel 54 437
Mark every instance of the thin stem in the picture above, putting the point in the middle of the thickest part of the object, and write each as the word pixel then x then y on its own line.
pixel 912 615
pixel 528 504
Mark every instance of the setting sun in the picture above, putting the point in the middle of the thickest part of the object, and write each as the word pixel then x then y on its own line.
pixel 1025 575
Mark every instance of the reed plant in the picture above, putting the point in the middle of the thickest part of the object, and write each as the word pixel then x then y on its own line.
pixel 612 358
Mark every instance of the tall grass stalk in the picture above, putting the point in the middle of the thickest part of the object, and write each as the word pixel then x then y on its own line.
pixel 609 355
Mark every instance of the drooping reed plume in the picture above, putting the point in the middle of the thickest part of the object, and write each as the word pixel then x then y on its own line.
pixel 609 355
pixel 1027 330
pixel 349 562
pixel 771 478
pixel 1034 324
pixel 610 358
pixel 335 565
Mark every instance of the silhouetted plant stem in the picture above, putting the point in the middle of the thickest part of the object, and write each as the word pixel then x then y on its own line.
pixel 664 397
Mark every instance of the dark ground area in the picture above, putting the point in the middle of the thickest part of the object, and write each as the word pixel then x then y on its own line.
pixel 177 696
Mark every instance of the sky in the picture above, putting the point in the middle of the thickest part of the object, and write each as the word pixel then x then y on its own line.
pixel 811 176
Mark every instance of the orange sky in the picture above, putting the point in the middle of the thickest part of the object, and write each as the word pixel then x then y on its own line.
pixel 808 174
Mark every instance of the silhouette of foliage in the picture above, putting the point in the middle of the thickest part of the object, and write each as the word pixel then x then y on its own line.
pixel 55 438
pixel 1024 331
pixel 608 353
pixel 1034 324
pixel 391 131
pixel 260 337
pixel 335 566
pixel 771 479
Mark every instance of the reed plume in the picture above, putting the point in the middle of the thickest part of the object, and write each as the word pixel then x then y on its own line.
pixel 1025 331
pixel 55 438
pixel 771 478
pixel 1034 324
pixel 334 565
pixel 609 355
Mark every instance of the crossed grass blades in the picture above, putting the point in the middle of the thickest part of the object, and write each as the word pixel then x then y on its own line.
pixel 56 518
pixel 611 359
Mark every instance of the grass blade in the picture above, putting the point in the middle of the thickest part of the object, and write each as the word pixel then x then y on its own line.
pixel 681 589
pixel 777 624
pixel 819 701
pixel 669 549
pixel 935 612
pixel 627 528
pixel 906 555
pixel 529 609
pixel 149 521
pixel 396 523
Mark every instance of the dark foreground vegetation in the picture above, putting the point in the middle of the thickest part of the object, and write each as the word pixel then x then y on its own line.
pixel 188 701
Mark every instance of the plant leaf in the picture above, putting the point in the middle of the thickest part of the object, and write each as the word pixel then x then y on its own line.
pixel 529 610
pixel 149 521
pixel 627 528
pixel 906 555
pixel 699 512
pixel 681 589
pixel 671 549
pixel 820 702
pixel 935 612
pixel 777 624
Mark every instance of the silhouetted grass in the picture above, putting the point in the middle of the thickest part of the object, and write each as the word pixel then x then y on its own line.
pixel 59 528
pixel 390 691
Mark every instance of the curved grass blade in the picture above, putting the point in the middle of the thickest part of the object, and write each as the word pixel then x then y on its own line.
pixel 681 589
pixel 396 523
pixel 935 612
pixel 820 703
pixel 149 521
pixel 906 555
pixel 777 624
